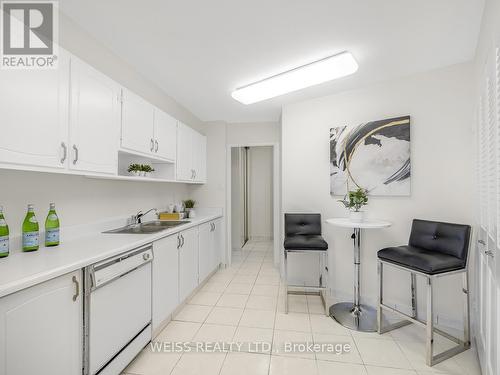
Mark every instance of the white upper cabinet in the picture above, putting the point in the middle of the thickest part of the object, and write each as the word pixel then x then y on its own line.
pixel 200 157
pixel 165 135
pixel 34 109
pixel 191 154
pixel 184 153
pixel 137 123
pixel 94 120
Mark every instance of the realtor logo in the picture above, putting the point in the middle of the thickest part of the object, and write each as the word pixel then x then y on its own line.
pixel 29 35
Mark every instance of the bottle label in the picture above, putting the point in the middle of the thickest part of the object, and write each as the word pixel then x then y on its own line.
pixel 52 236
pixel 30 239
pixel 4 245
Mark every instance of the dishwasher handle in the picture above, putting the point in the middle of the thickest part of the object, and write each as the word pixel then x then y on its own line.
pixel 104 272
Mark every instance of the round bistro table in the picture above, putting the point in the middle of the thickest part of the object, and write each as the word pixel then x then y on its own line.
pixel 354 315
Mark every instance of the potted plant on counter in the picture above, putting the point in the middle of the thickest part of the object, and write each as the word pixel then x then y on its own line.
pixel 353 201
pixel 189 206
pixel 134 169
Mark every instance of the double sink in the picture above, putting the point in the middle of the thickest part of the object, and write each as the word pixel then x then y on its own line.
pixel 148 227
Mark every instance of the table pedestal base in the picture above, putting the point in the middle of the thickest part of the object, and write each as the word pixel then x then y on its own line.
pixel 363 318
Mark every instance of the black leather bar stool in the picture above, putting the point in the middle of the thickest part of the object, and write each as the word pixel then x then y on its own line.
pixel 303 235
pixel 434 250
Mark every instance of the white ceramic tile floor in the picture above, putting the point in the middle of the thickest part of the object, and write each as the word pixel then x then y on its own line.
pixel 245 304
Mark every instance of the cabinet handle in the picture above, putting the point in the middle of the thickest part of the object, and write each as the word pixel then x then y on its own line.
pixel 156 145
pixel 490 253
pixel 77 288
pixel 65 152
pixel 182 237
pixel 214 227
pixel 481 242
pixel 76 154
pixel 194 173
pixel 152 145
pixel 178 241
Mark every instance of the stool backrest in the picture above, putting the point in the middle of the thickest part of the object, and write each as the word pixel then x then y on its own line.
pixel 302 224
pixel 446 238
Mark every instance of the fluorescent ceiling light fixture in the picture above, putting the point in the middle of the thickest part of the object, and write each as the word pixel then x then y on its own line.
pixel 327 69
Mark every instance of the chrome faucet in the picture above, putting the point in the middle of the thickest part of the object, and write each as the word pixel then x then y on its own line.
pixel 137 218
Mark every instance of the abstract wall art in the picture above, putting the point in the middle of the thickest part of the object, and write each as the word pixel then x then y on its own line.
pixel 374 156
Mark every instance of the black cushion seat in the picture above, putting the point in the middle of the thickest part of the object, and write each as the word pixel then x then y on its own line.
pixel 427 261
pixel 305 242
pixel 303 232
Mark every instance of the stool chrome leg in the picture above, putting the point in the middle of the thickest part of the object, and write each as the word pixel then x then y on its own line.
pixel 286 282
pixel 465 289
pixel 430 324
pixel 380 271
pixel 414 295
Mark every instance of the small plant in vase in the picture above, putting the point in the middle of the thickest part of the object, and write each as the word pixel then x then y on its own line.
pixel 189 206
pixel 146 170
pixel 135 169
pixel 353 201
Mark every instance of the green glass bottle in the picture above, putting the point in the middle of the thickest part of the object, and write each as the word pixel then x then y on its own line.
pixel 30 231
pixel 4 236
pixel 52 227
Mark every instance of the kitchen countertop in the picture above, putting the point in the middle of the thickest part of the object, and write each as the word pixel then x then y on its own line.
pixel 22 270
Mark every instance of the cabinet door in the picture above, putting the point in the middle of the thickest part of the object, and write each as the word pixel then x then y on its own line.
pixel 34 109
pixel 217 244
pixel 205 250
pixel 188 263
pixel 199 157
pixel 137 123
pixel 165 135
pixel 94 120
pixel 41 329
pixel 165 279
pixel 184 163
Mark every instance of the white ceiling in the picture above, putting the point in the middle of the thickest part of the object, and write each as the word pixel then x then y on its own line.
pixel 199 51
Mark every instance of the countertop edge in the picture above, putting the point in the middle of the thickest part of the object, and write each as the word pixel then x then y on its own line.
pixel 35 279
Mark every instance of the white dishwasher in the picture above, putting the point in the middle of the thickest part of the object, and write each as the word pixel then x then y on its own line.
pixel 117 311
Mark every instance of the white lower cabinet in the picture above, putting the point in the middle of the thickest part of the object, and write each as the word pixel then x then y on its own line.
pixel 41 329
pixel 188 262
pixel 165 279
pixel 210 243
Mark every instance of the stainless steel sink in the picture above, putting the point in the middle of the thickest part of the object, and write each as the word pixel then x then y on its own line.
pixel 148 227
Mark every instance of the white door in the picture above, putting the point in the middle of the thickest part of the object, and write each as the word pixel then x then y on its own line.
pixel 137 123
pixel 165 135
pixel 94 120
pixel 34 109
pixel 205 250
pixel 487 293
pixel 165 279
pixel 199 157
pixel 41 329
pixel 188 262
pixel 218 244
pixel 184 162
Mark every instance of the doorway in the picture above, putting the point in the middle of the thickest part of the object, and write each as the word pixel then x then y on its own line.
pixel 252 200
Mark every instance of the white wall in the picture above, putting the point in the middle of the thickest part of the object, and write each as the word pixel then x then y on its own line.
pixel 441 110
pixel 252 133
pixel 260 193
pixel 79 200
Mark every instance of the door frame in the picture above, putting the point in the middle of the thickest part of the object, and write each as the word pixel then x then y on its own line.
pixel 276 198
